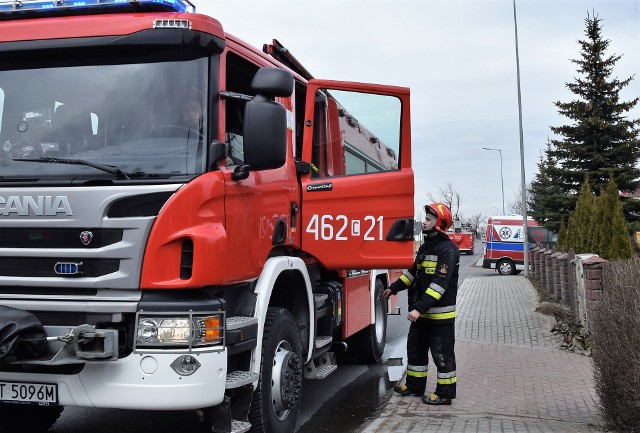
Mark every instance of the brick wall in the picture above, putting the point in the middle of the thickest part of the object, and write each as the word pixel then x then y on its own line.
pixel 575 280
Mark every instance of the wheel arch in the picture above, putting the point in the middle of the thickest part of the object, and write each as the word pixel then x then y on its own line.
pixel 276 287
pixel 383 276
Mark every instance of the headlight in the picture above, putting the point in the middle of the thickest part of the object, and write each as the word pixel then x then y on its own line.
pixel 180 331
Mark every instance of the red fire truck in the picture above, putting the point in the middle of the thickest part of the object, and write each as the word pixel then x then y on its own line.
pixel 186 222
pixel 463 235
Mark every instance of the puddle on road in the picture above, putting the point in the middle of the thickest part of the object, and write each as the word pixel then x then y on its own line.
pixel 362 401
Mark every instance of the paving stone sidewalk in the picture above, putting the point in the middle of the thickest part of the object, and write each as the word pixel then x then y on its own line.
pixel 512 375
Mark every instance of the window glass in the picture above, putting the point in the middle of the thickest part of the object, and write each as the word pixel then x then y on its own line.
pixel 240 72
pixel 147 119
pixel 355 133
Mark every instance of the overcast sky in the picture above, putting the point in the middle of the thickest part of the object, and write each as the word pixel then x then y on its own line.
pixel 458 59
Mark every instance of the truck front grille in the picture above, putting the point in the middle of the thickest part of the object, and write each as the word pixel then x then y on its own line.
pixel 50 267
pixel 58 238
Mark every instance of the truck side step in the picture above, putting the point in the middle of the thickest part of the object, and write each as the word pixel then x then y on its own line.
pixel 236 427
pixel 236 379
pixel 321 367
pixel 239 426
pixel 235 322
pixel 323 341
pixel 320 299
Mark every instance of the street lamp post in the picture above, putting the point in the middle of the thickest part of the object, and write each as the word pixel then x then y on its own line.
pixel 525 230
pixel 501 175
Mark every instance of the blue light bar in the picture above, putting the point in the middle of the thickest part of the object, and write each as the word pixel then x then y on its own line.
pixel 20 8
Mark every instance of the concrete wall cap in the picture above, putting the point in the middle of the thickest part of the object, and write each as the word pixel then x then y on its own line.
pixel 595 260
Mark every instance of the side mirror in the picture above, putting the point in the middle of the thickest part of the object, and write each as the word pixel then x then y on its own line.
pixel 217 151
pixel 265 121
pixel 272 82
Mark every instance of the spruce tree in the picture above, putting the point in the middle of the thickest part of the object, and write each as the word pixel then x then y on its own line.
pixel 600 139
pixel 548 201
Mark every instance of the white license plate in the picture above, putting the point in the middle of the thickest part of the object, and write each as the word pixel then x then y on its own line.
pixel 29 393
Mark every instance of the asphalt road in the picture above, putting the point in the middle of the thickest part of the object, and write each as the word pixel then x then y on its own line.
pixel 346 399
pixel 341 402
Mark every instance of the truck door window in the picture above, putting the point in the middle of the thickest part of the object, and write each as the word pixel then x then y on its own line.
pixel 239 73
pixel 355 133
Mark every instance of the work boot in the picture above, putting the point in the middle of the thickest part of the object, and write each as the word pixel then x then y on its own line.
pixel 435 400
pixel 404 391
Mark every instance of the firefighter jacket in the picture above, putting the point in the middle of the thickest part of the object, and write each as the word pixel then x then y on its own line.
pixel 432 281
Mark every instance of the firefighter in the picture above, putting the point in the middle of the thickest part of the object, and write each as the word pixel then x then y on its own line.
pixel 433 284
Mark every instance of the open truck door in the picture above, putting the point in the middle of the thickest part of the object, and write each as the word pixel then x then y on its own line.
pixel 357 197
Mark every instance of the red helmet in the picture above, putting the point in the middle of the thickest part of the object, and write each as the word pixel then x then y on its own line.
pixel 443 215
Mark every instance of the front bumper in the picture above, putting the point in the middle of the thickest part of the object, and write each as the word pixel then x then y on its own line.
pixel 143 380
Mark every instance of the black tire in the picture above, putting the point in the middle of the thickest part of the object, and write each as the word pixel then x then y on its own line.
pixel 276 401
pixel 26 418
pixel 367 346
pixel 506 267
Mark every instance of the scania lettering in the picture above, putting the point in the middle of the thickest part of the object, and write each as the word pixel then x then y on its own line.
pixel 38 206
pixel 187 222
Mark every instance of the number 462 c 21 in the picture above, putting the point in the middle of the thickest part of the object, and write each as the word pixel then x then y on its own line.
pixel 341 228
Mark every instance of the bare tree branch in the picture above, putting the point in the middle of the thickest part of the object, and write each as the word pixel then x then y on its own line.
pixel 449 196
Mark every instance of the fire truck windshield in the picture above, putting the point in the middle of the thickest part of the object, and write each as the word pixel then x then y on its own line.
pixel 148 120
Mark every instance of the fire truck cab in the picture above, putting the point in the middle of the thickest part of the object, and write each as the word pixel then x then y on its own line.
pixel 187 222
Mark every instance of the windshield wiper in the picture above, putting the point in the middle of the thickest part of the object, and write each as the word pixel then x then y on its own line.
pixel 106 168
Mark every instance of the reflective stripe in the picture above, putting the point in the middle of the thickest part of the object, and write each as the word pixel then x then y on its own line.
pixel 447 309
pixel 437 288
pixel 417 367
pixel 429 266
pixel 431 258
pixel 446 375
pixel 439 316
pixel 405 280
pixel 417 370
pixel 450 381
pixel 433 294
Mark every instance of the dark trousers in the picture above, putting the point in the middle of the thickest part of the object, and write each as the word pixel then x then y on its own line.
pixel 439 339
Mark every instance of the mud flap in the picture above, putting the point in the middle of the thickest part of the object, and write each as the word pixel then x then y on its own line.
pixel 22 336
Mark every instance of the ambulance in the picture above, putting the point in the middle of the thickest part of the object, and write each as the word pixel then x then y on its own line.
pixel 504 246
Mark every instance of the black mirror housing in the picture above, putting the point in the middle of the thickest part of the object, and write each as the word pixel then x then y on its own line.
pixel 217 151
pixel 272 82
pixel 265 134
pixel 265 121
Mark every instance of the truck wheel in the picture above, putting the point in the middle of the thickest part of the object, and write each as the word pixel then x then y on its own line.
pixel 367 345
pixel 506 267
pixel 32 419
pixel 276 400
